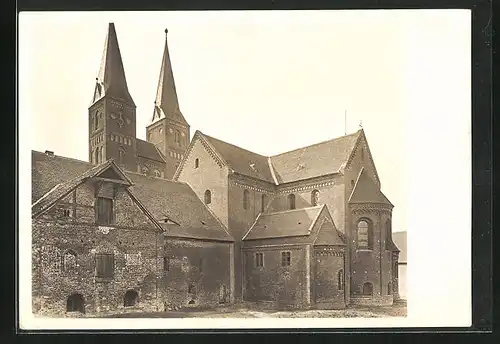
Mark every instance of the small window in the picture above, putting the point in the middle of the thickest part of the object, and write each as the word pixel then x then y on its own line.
pixel 166 264
pixel 208 197
pixel 263 203
pixel 121 154
pixel 352 183
pixel 259 260
pixel 104 265
pixel 112 137
pixel 197 163
pixel 145 170
pixel 104 211
pixel 245 199
pixel 340 280
pixel 367 289
pixel 66 213
pixel 314 198
pixel 177 137
pixel 286 258
pixel 157 173
pixel 291 201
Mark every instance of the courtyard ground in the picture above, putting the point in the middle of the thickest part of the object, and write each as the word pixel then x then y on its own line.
pixel 238 311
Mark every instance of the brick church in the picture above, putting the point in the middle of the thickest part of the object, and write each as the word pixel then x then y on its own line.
pixel 175 221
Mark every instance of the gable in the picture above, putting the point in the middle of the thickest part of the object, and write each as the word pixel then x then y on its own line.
pixel 366 191
pixel 361 157
pixel 325 231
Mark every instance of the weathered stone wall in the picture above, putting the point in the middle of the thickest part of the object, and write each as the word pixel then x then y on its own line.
pixel 328 263
pixel 197 271
pixel 283 285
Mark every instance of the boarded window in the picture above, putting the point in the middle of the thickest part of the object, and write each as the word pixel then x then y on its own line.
pixel 208 197
pixel 245 199
pixel 286 258
pixel 291 201
pixel 259 260
pixel 365 234
pixel 104 210
pixel 104 265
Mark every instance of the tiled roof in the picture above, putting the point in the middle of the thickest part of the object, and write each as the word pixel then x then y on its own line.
pixel 161 198
pixel 313 161
pixel 241 160
pixel 366 191
pixel 48 171
pixel 290 223
pixel 148 150
pixel 179 203
pixel 400 240
pixel 308 162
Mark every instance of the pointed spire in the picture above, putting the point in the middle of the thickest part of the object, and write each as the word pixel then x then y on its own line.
pixel 111 79
pixel 166 102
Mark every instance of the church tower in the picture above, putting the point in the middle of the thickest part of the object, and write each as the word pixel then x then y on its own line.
pixel 112 115
pixel 168 130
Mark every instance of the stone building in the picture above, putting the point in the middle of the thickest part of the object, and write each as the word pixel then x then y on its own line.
pixel 173 221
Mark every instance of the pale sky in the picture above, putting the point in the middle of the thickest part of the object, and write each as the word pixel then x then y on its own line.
pixel 275 81
pixel 266 81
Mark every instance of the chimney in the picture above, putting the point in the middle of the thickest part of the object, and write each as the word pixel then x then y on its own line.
pixel 49 153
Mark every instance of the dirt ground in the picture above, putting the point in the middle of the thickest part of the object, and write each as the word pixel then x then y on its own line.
pixel 238 311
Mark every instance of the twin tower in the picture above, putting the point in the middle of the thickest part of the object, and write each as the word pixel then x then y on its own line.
pixel 112 119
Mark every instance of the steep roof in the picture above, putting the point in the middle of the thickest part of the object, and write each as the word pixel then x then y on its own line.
pixel 166 102
pixel 400 240
pixel 241 160
pixel 289 223
pixel 316 160
pixel 148 150
pixel 54 175
pixel 111 79
pixel 179 203
pixel 366 191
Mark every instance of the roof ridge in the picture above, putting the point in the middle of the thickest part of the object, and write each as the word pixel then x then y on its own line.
pixel 63 157
pixel 232 144
pixel 317 144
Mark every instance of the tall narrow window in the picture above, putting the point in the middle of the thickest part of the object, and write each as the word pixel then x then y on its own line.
pixel 365 234
pixel 314 198
pixel 197 163
pixel 340 280
pixel 96 154
pixel 389 288
pixel 208 197
pixel 388 233
pixel 104 211
pixel 291 201
pixel 245 199
pixel 166 264
pixel 263 202
pixel 104 265
pixel 352 183
pixel 177 137
pixel 96 121
pixel 259 260
pixel 286 258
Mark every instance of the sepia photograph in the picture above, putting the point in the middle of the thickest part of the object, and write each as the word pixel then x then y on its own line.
pixel 269 166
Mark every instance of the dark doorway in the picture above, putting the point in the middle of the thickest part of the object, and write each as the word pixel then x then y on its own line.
pixel 130 298
pixel 75 303
pixel 368 289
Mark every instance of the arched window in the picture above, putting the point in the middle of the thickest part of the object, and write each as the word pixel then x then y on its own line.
pixel 340 280
pixel 388 233
pixel 145 170
pixel 69 260
pixel 263 202
pixel 96 122
pixel 197 163
pixel 365 234
pixel 177 137
pixel 245 199
pixel 157 173
pixel 208 197
pixel 352 183
pixel 389 288
pixel 96 154
pixel 368 289
pixel 291 201
pixel 314 198
pixel 121 154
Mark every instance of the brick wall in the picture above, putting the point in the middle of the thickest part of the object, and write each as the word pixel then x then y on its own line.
pixel 326 292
